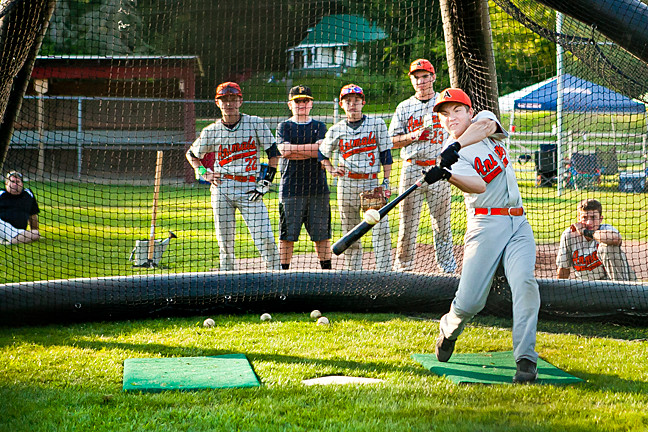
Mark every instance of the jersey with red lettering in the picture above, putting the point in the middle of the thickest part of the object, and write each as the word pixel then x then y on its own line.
pixel 582 255
pixel 490 160
pixel 236 150
pixel 408 117
pixel 358 150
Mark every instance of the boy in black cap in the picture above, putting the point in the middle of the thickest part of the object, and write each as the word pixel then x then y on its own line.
pixel 303 190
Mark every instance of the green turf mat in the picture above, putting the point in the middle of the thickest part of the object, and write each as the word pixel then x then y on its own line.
pixel 489 368
pixel 188 373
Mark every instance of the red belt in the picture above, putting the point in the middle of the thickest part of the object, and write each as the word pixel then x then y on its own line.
pixel 242 179
pixel 422 162
pixel 357 176
pixel 506 211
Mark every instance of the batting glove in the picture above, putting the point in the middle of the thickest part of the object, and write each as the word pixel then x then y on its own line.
pixel 435 174
pixel 264 180
pixel 450 155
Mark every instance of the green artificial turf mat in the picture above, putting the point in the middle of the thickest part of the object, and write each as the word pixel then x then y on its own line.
pixel 188 373
pixel 489 368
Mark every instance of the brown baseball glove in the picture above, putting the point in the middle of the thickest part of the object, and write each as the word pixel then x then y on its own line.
pixel 373 199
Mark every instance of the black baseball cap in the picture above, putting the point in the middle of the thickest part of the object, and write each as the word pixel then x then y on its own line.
pixel 300 92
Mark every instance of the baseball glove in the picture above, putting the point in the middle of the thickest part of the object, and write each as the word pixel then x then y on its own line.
pixel 373 199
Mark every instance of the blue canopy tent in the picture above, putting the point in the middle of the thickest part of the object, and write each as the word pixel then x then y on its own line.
pixel 578 96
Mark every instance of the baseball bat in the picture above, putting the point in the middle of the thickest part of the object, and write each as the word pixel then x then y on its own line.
pixel 363 227
pixel 156 194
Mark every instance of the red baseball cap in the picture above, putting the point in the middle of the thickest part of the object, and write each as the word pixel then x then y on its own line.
pixel 421 64
pixel 228 88
pixel 451 95
pixel 351 89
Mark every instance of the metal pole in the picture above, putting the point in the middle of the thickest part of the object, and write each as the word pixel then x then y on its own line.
pixel 79 132
pixel 336 110
pixel 559 102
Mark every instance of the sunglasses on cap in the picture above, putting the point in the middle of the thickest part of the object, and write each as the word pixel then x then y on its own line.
pixel 351 89
pixel 14 174
pixel 228 90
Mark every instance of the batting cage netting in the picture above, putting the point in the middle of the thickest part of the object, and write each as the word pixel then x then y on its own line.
pixel 169 158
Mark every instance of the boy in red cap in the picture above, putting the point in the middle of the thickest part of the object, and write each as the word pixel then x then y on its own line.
pixel 362 145
pixel 415 129
pixel 497 230
pixel 238 179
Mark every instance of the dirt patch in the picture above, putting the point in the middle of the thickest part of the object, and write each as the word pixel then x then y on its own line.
pixel 637 252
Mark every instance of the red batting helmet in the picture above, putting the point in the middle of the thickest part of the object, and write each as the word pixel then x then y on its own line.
pixel 451 95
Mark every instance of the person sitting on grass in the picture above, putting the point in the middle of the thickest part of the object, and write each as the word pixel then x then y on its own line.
pixel 18 209
pixel 591 248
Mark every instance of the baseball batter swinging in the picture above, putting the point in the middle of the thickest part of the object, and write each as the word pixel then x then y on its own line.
pixel 238 180
pixel 362 145
pixel 420 144
pixel 497 229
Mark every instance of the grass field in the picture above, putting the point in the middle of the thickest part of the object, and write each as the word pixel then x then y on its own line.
pixel 69 378
pixel 90 229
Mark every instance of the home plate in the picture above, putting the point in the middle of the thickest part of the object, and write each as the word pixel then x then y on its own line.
pixel 327 380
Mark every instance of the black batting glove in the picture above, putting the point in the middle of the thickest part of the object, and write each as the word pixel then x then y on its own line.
pixel 264 180
pixel 450 155
pixel 435 174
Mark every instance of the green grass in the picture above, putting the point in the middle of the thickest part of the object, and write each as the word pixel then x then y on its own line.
pixel 68 378
pixel 90 230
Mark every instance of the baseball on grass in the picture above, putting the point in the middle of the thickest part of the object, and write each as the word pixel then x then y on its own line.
pixel 372 216
pixel 322 321
pixel 316 314
pixel 209 323
pixel 265 317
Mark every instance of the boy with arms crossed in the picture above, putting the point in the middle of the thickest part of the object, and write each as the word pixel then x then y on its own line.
pixel 303 191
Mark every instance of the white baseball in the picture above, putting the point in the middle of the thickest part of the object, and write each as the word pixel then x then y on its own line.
pixel 372 216
pixel 316 314
pixel 265 317
pixel 209 323
pixel 322 321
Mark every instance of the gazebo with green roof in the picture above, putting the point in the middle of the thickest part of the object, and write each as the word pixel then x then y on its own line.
pixel 332 43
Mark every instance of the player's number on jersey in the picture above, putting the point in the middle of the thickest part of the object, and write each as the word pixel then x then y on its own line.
pixel 251 164
pixel 372 159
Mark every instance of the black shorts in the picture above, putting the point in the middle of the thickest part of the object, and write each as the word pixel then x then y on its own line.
pixel 312 211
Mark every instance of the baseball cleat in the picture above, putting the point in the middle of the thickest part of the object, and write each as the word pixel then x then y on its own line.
pixel 444 348
pixel 527 372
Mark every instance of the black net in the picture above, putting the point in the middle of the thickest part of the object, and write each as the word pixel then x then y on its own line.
pixel 110 117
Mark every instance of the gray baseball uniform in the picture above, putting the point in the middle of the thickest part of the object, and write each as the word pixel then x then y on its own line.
pixel 497 231
pixel 358 153
pixel 236 161
pixel 419 156
pixel 592 260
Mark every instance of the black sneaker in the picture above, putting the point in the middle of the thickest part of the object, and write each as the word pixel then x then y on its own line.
pixel 444 348
pixel 527 372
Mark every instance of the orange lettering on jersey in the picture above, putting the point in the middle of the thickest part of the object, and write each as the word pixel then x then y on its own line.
pixel 358 145
pixel 488 169
pixel 501 153
pixel 414 123
pixel 586 262
pixel 227 154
